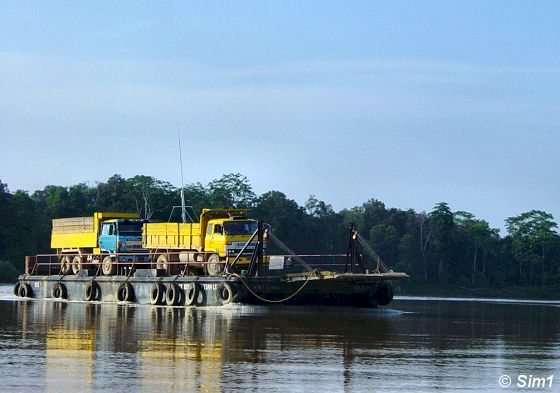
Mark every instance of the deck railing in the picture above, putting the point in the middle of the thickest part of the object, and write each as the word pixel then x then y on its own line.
pixel 127 263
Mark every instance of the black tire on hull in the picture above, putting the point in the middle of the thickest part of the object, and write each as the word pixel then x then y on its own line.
pixel 157 294
pixel 226 294
pixel 59 291
pixel 16 288
pixel 384 294
pixel 125 293
pixel 173 295
pixel 25 290
pixel 191 294
pixel 93 291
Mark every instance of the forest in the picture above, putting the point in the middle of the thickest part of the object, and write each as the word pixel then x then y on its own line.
pixel 443 251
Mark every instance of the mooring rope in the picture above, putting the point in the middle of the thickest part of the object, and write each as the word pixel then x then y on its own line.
pixel 268 300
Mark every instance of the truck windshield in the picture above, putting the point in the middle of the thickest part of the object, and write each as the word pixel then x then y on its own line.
pixel 129 229
pixel 240 227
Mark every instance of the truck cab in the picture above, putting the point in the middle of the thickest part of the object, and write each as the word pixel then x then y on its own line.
pixel 227 236
pixel 121 236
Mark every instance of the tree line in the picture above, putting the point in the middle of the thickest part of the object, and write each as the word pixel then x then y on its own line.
pixel 440 247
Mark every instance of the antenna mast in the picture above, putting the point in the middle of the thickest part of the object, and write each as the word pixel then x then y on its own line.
pixel 183 208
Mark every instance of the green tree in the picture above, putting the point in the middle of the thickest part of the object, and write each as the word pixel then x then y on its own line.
pixel 479 237
pixel 317 208
pixel 384 239
pixel 441 221
pixel 113 195
pixel 410 257
pixel 4 217
pixel 531 233
pixel 152 198
pixel 288 220
pixel 231 190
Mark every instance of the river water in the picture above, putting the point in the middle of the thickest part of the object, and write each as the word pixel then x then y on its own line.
pixel 415 344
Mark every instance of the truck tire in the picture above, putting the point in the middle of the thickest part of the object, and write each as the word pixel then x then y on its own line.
pixel 65 264
pixel 76 264
pixel 215 267
pixel 108 267
pixel 162 261
pixel 191 294
pixel 173 295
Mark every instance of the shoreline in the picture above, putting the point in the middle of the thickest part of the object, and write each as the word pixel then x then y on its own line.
pixel 508 293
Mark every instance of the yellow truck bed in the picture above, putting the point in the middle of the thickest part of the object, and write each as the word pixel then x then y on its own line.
pixel 172 235
pixel 81 232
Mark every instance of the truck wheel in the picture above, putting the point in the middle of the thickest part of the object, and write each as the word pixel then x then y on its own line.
pixel 215 267
pixel 65 263
pixel 161 261
pixel 108 267
pixel 76 264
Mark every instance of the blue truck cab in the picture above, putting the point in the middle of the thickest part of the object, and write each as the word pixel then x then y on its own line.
pixel 122 236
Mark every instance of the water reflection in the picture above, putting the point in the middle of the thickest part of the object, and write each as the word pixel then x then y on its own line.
pixel 425 346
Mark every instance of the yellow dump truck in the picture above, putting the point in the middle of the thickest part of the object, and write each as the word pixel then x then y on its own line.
pixel 219 237
pixel 79 240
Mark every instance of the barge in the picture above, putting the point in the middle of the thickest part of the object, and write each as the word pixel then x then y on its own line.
pixel 145 287
pixel 190 276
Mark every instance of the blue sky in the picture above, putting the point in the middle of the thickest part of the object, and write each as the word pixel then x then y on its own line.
pixel 410 102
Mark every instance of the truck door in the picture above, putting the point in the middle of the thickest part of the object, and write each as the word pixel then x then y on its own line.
pixel 108 237
pixel 216 240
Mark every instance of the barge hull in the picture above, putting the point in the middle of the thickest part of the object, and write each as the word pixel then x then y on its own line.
pixel 341 290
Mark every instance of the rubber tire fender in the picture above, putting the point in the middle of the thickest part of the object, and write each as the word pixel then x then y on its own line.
pixel 384 294
pixel 59 291
pixel 226 294
pixel 16 288
pixel 173 295
pixel 157 294
pixel 125 293
pixel 93 291
pixel 25 290
pixel 191 293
